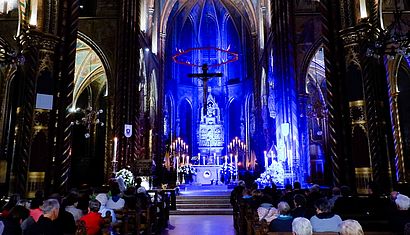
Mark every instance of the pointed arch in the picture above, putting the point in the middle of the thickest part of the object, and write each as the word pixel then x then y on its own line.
pixel 92 70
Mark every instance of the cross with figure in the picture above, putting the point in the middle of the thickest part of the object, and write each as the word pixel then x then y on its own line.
pixel 205 76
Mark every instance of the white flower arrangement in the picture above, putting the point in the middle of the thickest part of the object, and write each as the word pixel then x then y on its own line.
pixel 273 174
pixel 228 169
pixel 127 176
pixel 187 170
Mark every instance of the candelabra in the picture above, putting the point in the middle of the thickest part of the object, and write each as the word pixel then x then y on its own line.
pixel 179 151
pixel 237 149
pixel 87 117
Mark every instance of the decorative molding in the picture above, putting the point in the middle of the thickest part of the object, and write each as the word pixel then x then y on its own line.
pixel 364 175
pixel 354 35
pixel 357 112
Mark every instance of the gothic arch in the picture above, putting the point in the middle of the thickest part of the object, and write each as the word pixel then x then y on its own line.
pixel 169 118
pixel 249 10
pixel 184 122
pixel 398 87
pixel 101 54
pixel 314 115
pixel 90 71
pixel 306 62
pixel 153 97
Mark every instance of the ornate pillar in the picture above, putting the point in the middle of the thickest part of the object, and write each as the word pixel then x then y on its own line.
pixel 25 114
pixel 59 175
pixel 285 88
pixel 365 78
pixel 333 18
pixel 127 104
pixel 400 169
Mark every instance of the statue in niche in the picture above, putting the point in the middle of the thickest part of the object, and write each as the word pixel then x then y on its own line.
pixel 212 114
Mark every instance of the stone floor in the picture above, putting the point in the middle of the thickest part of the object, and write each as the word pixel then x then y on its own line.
pixel 200 225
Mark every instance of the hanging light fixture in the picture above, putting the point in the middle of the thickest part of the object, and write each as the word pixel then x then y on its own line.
pixel 87 117
pixel 392 41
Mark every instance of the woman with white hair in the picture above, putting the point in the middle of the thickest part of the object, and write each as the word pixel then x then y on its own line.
pixel 283 223
pixel 301 226
pixel 402 202
pixel 401 215
pixel 350 227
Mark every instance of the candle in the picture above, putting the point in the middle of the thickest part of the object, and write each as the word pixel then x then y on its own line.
pixel 266 159
pixel 199 158
pixel 183 159
pixel 230 158
pixel 114 158
pixel 236 167
pixel 363 11
pixel 187 159
pixel 217 160
pixel 226 159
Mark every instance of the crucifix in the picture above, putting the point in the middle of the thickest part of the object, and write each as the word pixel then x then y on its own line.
pixel 205 76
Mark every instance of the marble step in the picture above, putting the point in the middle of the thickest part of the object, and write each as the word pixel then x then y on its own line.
pixel 203 201
pixel 202 206
pixel 211 211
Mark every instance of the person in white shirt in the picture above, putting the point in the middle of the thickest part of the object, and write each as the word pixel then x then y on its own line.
pixel 115 202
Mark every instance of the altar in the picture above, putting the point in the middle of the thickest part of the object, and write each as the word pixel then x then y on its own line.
pixel 207 174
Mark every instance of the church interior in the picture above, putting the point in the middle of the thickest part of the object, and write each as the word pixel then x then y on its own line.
pixel 309 91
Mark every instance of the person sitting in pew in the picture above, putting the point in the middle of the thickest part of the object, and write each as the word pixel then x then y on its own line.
pixel 401 216
pixel 283 223
pixel 350 227
pixel 301 226
pixel 324 220
pixel 93 220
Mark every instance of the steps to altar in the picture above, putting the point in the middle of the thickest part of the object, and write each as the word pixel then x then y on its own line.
pixel 203 200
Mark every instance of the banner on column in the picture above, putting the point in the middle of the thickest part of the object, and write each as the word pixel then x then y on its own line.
pixel 128 130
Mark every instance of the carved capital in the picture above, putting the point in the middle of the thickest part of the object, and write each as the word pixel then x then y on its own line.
pixel 44 43
pixel 355 35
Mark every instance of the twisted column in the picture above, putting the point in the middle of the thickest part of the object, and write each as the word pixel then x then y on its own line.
pixel 62 151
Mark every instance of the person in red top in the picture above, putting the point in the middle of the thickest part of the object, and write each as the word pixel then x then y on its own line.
pixel 93 220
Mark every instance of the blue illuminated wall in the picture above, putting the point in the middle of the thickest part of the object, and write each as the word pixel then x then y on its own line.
pixel 207 23
pixel 264 109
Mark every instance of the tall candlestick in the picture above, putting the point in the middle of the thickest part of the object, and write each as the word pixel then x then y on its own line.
pixel 236 167
pixel 266 159
pixel 114 158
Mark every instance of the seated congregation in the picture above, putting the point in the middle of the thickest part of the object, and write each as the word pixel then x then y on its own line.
pixel 317 211
pixel 103 211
